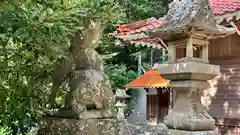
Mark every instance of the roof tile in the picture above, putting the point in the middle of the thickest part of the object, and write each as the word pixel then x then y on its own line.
pixel 221 7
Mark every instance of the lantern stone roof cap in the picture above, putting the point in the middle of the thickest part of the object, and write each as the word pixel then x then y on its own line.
pixel 120 93
pixel 183 15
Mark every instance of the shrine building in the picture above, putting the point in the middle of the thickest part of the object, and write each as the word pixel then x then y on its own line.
pixel 217 41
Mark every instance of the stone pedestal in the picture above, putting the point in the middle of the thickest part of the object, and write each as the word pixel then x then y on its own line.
pixel 121 96
pixel 159 129
pixel 64 126
pixel 188 112
pixel 182 132
pixel 89 108
pixel 188 79
pixel 120 110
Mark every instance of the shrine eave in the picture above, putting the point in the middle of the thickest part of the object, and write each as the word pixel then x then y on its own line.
pixel 233 16
pixel 180 32
pixel 205 17
pixel 134 33
pixel 225 10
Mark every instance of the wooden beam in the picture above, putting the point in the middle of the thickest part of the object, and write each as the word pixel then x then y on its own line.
pixel 196 41
pixel 178 43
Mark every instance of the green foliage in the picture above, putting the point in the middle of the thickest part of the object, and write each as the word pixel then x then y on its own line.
pixel 142 9
pixel 34 34
pixel 4 131
pixel 7 131
pixel 135 10
pixel 119 75
pixel 122 61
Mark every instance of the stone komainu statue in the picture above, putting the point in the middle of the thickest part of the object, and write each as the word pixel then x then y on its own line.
pixel 90 90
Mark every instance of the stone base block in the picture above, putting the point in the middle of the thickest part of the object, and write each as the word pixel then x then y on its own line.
pixel 64 126
pixel 159 129
pixel 182 132
pixel 189 121
pixel 90 114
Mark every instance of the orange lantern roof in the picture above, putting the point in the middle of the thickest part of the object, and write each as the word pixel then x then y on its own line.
pixel 151 78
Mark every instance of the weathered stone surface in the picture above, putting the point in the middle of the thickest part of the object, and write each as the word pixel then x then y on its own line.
pixel 185 14
pixel 64 126
pixel 91 93
pixel 189 59
pixel 182 132
pixel 188 78
pixel 81 56
pixel 89 107
pixel 188 71
pixel 88 59
pixel 192 121
pixel 159 129
pixel 190 84
pixel 58 126
pixel 188 113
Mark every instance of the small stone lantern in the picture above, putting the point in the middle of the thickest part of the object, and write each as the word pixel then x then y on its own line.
pixel 121 97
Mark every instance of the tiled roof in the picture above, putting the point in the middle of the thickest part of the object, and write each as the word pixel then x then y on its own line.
pixel 149 79
pixel 134 33
pixel 140 26
pixel 136 30
pixel 221 7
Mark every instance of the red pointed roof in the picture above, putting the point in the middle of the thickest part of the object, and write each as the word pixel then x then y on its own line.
pixel 151 78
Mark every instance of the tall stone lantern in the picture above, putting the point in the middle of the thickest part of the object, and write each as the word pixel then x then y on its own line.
pixel 189 25
pixel 121 97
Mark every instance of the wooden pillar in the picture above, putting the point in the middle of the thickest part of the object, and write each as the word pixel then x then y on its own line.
pixel 147 104
pixel 170 100
pixel 152 105
pixel 157 105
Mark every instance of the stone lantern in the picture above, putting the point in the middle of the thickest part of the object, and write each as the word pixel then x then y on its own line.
pixel 121 97
pixel 189 25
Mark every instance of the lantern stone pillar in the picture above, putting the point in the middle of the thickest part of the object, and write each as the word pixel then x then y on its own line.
pixel 121 96
pixel 188 78
pixel 171 52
